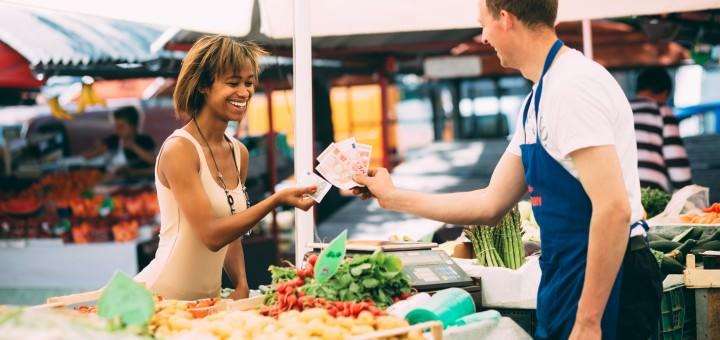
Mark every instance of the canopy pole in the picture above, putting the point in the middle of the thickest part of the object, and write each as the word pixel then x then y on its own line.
pixel 587 38
pixel 271 163
pixel 302 98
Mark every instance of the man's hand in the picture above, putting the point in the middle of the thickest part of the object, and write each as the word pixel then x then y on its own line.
pixel 586 331
pixel 377 184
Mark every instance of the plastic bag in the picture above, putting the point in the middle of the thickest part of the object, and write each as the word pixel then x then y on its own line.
pixel 690 199
pixel 506 288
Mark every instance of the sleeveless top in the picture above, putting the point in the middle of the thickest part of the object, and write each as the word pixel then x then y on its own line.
pixel 183 267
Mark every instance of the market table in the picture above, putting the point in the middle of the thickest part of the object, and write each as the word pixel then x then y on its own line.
pixel 42 267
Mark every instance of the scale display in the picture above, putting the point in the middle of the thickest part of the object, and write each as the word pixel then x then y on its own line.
pixel 432 269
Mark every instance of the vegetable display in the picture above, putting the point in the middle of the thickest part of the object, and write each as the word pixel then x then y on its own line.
pixel 654 200
pixel 710 215
pixel 362 283
pixel 499 246
pixel 671 254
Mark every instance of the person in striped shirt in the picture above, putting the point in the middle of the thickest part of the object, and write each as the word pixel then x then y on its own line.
pixel 662 159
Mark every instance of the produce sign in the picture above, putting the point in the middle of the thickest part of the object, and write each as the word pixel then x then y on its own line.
pixel 499 246
pixel 126 301
pixel 330 258
pixel 361 283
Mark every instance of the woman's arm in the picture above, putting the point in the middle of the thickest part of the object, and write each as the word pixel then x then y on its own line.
pixel 235 257
pixel 235 268
pixel 178 169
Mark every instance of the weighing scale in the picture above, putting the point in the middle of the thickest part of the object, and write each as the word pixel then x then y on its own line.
pixel 428 269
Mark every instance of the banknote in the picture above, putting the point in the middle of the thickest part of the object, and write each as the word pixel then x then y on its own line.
pixel 322 185
pixel 336 172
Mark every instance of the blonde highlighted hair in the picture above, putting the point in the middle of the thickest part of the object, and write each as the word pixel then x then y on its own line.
pixel 211 57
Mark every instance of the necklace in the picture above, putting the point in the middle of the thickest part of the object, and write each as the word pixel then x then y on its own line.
pixel 230 199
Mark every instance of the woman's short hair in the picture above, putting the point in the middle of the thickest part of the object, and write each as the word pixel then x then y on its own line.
pixel 211 57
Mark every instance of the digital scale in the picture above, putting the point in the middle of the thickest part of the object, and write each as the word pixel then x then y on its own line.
pixel 428 269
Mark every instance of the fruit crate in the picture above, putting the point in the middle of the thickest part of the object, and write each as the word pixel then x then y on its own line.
pixel 672 313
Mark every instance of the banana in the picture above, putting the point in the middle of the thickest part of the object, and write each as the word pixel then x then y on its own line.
pixel 57 111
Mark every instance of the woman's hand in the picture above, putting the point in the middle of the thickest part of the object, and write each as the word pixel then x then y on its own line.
pixel 298 197
pixel 240 293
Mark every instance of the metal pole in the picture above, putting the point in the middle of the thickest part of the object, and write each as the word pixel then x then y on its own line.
pixel 384 121
pixel 271 164
pixel 587 38
pixel 302 97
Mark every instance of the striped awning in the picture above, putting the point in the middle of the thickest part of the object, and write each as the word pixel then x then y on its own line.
pixel 46 37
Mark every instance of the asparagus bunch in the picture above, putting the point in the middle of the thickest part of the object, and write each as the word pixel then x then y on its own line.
pixel 499 246
pixel 483 245
pixel 508 240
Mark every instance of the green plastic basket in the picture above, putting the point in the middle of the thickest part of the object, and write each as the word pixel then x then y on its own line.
pixel 672 314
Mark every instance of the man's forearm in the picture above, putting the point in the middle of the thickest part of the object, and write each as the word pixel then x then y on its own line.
pixel 609 234
pixel 146 155
pixel 456 208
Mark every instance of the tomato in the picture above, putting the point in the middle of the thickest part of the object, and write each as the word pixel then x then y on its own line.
pixel 356 308
pixel 312 259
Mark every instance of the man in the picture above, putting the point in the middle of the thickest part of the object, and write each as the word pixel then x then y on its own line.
pixel 662 159
pixel 581 175
pixel 131 153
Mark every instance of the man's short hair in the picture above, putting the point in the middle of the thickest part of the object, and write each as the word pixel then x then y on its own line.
pixel 654 79
pixel 532 13
pixel 127 114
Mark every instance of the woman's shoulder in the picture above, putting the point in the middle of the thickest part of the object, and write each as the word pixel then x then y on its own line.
pixel 177 148
pixel 241 147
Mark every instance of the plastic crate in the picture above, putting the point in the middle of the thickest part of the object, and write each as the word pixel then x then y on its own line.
pixel 672 314
pixel 689 328
pixel 525 318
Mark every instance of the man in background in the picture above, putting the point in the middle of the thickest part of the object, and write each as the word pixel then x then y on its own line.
pixel 130 153
pixel 662 159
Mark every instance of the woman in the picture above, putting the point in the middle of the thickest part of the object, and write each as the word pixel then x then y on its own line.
pixel 200 173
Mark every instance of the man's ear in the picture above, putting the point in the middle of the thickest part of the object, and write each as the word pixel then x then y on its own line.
pixel 507 20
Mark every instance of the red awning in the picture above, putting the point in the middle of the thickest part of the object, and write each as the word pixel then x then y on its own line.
pixel 15 70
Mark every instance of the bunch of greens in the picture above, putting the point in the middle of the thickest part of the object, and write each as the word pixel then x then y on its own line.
pixel 654 200
pixel 377 277
pixel 278 274
pixel 507 236
pixel 499 246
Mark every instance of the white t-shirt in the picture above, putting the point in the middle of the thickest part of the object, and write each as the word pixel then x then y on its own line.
pixel 582 106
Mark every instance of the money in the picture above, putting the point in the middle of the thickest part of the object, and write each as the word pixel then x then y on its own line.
pixel 322 185
pixel 337 173
pixel 340 161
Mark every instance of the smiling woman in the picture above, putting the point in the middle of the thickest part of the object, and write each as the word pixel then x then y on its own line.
pixel 200 176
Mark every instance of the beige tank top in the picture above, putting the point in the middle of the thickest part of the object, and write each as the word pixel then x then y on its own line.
pixel 183 267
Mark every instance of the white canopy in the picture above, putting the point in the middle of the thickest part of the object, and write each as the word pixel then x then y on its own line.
pixel 333 18
pixel 342 17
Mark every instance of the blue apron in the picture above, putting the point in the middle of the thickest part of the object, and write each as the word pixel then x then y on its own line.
pixel 563 210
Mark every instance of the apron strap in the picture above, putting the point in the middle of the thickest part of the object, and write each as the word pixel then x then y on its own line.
pixel 536 99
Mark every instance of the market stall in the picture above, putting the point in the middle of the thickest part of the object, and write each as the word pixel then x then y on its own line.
pixel 330 296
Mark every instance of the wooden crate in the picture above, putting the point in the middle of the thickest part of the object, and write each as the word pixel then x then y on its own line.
pixel 700 278
pixel 705 284
pixel 435 328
